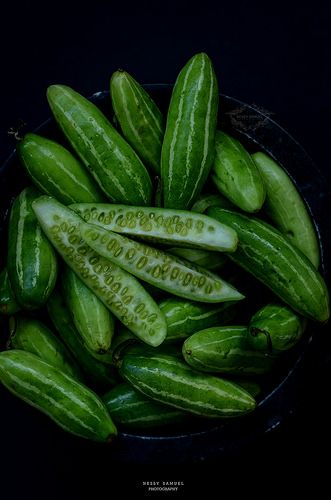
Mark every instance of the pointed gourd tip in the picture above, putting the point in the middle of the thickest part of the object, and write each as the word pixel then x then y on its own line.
pixel 204 56
pixel 252 403
pixel 51 89
pixel 236 294
pixel 55 89
pixel 112 436
pixel 118 75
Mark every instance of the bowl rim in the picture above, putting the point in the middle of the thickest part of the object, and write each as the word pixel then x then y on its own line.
pixel 324 247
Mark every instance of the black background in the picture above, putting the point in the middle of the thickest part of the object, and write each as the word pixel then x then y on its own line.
pixel 275 57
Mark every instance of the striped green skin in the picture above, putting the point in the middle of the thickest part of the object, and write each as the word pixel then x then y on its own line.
pixel 174 227
pixel 100 374
pixel 8 303
pixel 55 171
pixel 185 317
pixel 272 259
pixel 110 159
pixel 235 174
pixel 131 408
pixel 69 403
pixel 204 201
pixel 171 381
pixel 91 317
pixel 275 328
pixel 33 336
pixel 225 349
pixel 188 146
pixel 140 119
pixel 286 209
pixel 121 293
pixel 158 268
pixel 212 261
pixel 31 261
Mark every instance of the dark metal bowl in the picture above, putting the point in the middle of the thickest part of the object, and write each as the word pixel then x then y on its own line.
pixel 205 439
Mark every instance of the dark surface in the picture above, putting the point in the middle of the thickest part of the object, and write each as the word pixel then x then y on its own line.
pixel 277 60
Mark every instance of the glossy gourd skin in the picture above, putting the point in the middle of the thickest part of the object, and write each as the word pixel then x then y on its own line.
pixel 142 123
pixel 98 374
pixel 171 381
pixel 130 408
pixel 185 317
pixel 236 175
pixel 188 146
pixel 274 328
pixel 32 262
pixel 110 159
pixel 55 171
pixel 225 349
pixel 33 336
pixel 69 403
pixel 270 257
pixel 91 317
pixel 286 208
